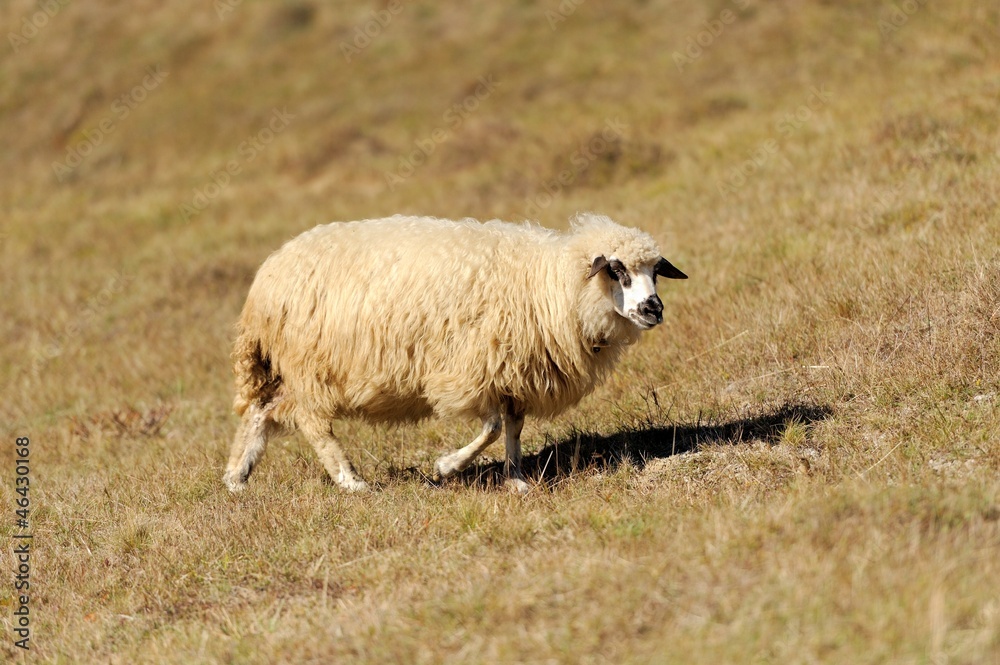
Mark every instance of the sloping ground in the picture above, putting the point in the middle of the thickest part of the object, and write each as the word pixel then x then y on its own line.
pixel 802 466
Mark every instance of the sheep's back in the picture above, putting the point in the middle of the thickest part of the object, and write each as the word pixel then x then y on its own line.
pixel 396 319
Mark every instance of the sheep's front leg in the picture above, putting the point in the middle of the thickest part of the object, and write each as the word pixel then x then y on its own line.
pixel 331 454
pixel 512 424
pixel 459 460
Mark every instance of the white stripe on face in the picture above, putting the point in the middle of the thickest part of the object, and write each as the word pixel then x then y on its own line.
pixel 641 285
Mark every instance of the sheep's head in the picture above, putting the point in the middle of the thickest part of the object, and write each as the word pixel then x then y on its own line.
pixel 633 287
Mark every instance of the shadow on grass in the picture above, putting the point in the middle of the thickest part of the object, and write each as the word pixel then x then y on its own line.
pixel 640 445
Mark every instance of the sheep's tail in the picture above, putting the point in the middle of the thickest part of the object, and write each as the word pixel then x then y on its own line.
pixel 256 383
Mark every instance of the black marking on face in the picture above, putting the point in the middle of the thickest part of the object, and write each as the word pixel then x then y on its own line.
pixel 618 272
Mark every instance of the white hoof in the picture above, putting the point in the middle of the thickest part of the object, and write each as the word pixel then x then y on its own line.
pixel 352 483
pixel 233 483
pixel 518 486
pixel 445 467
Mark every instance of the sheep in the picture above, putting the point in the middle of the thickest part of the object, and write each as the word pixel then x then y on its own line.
pixel 398 319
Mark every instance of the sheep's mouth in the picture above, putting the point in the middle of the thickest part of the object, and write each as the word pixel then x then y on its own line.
pixel 646 321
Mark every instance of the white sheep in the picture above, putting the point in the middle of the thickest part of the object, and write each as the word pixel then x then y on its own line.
pixel 398 319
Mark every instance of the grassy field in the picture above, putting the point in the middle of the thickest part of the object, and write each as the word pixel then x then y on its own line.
pixel 801 466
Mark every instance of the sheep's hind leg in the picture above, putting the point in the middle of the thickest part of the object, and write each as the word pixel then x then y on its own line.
pixel 332 455
pixel 459 460
pixel 248 445
pixel 512 424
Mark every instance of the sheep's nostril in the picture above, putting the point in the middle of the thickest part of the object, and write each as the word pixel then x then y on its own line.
pixel 651 307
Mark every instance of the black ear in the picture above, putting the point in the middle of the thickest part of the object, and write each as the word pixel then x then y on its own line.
pixel 666 269
pixel 600 263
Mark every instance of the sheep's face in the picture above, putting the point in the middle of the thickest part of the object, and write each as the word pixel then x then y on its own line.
pixel 633 288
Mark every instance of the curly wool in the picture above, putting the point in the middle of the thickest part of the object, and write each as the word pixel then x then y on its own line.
pixel 402 318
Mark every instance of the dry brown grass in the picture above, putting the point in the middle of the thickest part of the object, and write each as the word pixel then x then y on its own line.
pixel 802 466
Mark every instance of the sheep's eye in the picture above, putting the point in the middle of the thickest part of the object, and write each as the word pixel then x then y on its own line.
pixel 617 271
